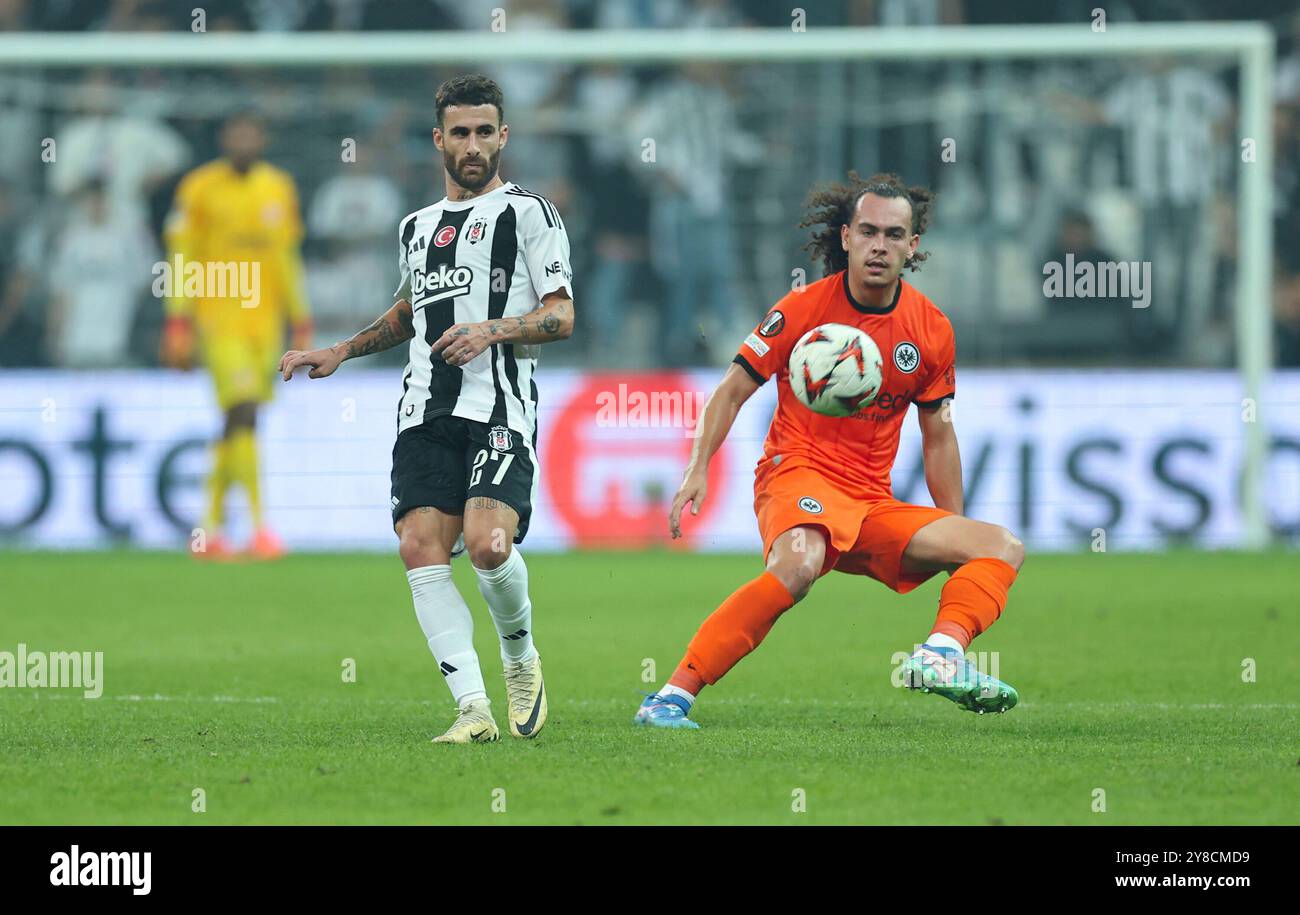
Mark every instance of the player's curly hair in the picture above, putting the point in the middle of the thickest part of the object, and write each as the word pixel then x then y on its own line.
pixel 831 206
pixel 470 89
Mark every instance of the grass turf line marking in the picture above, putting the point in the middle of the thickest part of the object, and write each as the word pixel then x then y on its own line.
pixel 818 703
pixel 158 697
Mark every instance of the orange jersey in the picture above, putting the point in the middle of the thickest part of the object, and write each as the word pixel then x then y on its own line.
pixel 857 452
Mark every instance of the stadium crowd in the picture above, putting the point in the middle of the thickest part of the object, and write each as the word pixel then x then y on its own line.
pixel 1053 157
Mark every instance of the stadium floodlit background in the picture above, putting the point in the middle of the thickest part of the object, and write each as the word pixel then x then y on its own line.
pixel 676 252
pixel 1129 159
pixel 1087 425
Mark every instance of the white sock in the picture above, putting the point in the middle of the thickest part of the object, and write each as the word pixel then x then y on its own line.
pixel 505 589
pixel 939 640
pixel 449 629
pixel 670 690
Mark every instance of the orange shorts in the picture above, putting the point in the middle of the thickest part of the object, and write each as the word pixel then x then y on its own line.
pixel 866 536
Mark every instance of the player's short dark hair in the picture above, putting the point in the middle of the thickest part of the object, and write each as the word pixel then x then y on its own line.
pixel 245 114
pixel 831 206
pixel 470 89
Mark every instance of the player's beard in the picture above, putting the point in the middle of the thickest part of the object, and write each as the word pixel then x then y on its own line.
pixel 471 181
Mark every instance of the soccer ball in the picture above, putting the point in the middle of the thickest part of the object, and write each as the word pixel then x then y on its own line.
pixel 835 370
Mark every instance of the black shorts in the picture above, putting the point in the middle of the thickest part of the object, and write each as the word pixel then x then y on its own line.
pixel 449 460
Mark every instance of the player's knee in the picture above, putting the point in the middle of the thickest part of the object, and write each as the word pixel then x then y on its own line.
pixel 1011 550
pixel 798 575
pixel 487 551
pixel 420 548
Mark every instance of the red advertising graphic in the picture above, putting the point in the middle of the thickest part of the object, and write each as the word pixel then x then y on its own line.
pixel 615 456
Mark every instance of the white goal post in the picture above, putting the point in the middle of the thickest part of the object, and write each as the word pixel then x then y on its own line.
pixel 1250 45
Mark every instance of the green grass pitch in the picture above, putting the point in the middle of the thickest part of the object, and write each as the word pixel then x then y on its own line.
pixel 229 678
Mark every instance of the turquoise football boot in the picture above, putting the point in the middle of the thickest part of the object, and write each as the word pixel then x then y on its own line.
pixel 945 672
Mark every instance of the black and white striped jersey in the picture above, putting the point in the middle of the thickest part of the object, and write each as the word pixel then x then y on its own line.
pixel 491 257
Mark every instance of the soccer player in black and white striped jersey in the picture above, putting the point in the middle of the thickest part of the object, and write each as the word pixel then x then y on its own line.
pixel 485 277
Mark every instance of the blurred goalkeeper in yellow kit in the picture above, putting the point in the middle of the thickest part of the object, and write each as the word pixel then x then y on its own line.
pixel 233 248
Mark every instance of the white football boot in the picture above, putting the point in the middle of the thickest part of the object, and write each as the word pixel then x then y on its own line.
pixel 526 693
pixel 473 724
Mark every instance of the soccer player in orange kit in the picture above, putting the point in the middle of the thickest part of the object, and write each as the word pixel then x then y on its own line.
pixel 822 488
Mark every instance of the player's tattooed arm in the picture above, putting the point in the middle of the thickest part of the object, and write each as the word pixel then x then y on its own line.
pixel 552 321
pixel 393 327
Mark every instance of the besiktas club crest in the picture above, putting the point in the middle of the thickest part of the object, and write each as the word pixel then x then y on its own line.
pixel 499 438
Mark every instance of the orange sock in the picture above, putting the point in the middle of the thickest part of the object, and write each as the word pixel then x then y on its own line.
pixel 973 598
pixel 731 632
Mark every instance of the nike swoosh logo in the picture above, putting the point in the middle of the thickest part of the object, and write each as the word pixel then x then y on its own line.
pixel 527 726
pixel 478 735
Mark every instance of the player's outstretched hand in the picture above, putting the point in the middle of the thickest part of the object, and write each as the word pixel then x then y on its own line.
pixel 462 342
pixel 692 490
pixel 323 362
